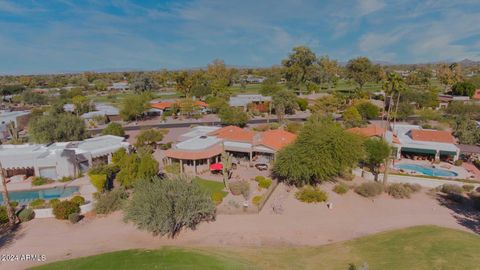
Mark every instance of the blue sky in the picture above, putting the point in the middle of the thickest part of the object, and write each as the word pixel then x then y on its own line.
pixel 43 36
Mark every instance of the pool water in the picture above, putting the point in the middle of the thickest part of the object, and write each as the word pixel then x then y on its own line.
pixel 24 197
pixel 426 170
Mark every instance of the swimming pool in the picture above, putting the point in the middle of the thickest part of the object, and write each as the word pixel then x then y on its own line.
pixel 426 170
pixel 26 196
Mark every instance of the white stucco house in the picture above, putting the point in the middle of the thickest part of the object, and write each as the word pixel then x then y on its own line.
pixel 57 160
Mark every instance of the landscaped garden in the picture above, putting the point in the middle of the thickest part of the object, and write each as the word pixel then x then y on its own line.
pixel 425 247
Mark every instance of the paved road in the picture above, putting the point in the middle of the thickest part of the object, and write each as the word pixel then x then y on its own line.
pixel 187 124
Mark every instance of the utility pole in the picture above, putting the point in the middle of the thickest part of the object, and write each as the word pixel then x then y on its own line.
pixel 6 199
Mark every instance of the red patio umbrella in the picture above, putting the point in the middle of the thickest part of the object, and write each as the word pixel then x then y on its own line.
pixel 216 167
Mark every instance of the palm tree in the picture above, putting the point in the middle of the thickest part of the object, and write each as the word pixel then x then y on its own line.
pixel 393 85
pixel 6 199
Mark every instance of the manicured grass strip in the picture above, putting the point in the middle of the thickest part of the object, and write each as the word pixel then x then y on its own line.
pixel 165 258
pixel 210 186
pixel 424 247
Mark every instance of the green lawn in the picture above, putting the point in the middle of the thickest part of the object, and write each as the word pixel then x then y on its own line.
pixel 210 186
pixel 424 247
pixel 165 258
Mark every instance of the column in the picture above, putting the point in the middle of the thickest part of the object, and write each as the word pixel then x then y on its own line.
pixel 109 158
pixel 399 152
pixel 456 156
pixel 437 155
pixel 208 163
pixel 250 160
pixel 181 165
pixel 195 166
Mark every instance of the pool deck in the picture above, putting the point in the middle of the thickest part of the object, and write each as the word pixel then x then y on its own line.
pixel 86 189
pixel 461 172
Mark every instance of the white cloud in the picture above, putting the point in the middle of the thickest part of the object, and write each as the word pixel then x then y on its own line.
pixel 370 6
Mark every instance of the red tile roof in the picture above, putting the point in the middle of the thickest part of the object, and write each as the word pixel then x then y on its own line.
pixel 162 105
pixel 234 133
pixel 276 139
pixel 368 131
pixel 432 136
pixel 168 104
pixel 194 155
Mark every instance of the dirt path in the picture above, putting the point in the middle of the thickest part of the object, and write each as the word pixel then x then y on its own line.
pixel 299 224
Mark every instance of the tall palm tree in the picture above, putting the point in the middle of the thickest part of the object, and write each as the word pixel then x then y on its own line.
pixel 6 199
pixel 394 85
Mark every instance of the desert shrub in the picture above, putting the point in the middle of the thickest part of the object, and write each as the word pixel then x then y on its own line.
pixel 63 209
pixel 66 179
pixel 111 201
pixel 265 183
pixel 99 181
pixel 369 189
pixel 347 176
pixel 413 187
pixel 311 194
pixel 78 200
pixel 451 189
pixel 38 181
pixel 468 188
pixel 166 206
pixel 454 192
pixel 399 191
pixel 458 162
pixel 256 200
pixel 26 214
pixel 14 204
pixel 173 168
pixel 259 178
pixel 239 188
pixel 217 197
pixel 53 202
pixel 74 218
pixel 274 125
pixel 165 146
pixel 3 215
pixel 37 204
pixel 340 189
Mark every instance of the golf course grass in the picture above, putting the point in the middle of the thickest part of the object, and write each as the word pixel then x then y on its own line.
pixel 424 247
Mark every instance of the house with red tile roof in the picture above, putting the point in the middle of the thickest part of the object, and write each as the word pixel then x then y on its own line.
pixel 411 140
pixel 161 107
pixel 414 140
pixel 203 145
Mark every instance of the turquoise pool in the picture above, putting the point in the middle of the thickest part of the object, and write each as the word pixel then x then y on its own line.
pixel 26 196
pixel 426 170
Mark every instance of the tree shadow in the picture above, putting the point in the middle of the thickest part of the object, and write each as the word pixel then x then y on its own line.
pixel 9 234
pixel 465 212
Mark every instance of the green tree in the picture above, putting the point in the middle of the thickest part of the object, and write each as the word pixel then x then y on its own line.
pixel 56 128
pixel 133 107
pixel 149 137
pixel 327 105
pixel 360 70
pixel 322 151
pixel 33 98
pixel 147 166
pixel 367 110
pixel 270 86
pixel 466 130
pixel 142 83
pixel 219 77
pixel 463 89
pixel 329 71
pixel 300 68
pixel 115 129
pixel 82 105
pixel 352 118
pixel 233 116
pixel 284 102
pixel 166 206
pixel 128 173
pixel 226 166
pixel 377 152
